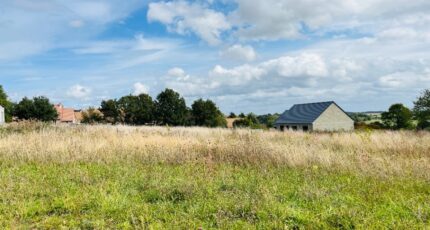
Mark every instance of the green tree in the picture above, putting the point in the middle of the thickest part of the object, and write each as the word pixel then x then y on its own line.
pixel 111 112
pixel 249 120
pixel 253 118
pixel 422 110
pixel 397 117
pixel 38 108
pixel 268 119
pixel 242 115
pixel 92 116
pixel 170 108
pixel 232 115
pixel 24 110
pixel 206 113
pixel 138 110
pixel 6 104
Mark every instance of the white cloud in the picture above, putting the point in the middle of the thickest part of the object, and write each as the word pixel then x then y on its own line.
pixel 306 64
pixel 239 53
pixel 178 74
pixel 288 70
pixel 183 17
pixel 140 88
pixel 289 19
pixel 236 76
pixel 302 66
pixel 79 92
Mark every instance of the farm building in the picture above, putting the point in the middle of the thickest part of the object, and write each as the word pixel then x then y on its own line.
pixel 2 116
pixel 321 116
pixel 68 115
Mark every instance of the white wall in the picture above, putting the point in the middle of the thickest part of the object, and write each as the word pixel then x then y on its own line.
pixel 2 118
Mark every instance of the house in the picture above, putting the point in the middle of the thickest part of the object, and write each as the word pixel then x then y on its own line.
pixel 321 116
pixel 2 115
pixel 66 115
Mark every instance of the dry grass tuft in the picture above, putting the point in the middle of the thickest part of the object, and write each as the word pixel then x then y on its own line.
pixel 380 153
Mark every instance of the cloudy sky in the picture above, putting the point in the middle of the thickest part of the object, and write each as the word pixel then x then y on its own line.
pixel 247 55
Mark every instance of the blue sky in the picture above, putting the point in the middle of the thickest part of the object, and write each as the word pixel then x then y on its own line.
pixel 257 56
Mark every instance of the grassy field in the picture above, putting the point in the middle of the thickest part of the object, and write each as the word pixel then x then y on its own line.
pixel 186 178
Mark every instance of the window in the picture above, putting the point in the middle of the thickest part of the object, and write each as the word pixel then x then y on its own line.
pixel 288 127
pixel 294 128
pixel 305 128
pixel 282 128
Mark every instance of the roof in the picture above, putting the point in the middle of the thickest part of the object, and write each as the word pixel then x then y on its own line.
pixel 65 114
pixel 304 113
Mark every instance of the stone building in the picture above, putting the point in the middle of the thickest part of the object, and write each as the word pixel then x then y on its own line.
pixel 321 116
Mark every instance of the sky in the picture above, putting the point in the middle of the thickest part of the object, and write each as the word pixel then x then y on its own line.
pixel 258 56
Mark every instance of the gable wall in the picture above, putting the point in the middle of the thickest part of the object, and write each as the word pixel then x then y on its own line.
pixel 333 119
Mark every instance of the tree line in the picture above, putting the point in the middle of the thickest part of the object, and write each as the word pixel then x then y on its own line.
pixel 169 108
pixel 37 108
pixel 399 116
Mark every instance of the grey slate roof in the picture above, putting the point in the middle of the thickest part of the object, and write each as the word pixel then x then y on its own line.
pixel 304 113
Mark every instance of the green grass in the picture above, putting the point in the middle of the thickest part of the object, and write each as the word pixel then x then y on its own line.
pixel 189 196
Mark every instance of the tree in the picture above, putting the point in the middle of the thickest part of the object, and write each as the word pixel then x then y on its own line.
pixel 206 113
pixel 24 109
pixel 242 123
pixel 170 108
pixel 249 120
pixel 268 119
pixel 422 110
pixel 232 115
pixel 7 105
pixel 253 118
pixel 111 112
pixel 92 116
pixel 242 115
pixel 397 117
pixel 138 110
pixel 38 108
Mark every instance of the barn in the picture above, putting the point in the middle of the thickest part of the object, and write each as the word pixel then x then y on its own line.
pixel 320 116
pixel 2 116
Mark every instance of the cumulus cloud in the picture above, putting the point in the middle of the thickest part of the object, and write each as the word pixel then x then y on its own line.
pixel 288 70
pixel 183 17
pixel 79 92
pixel 289 19
pixel 178 74
pixel 239 53
pixel 139 88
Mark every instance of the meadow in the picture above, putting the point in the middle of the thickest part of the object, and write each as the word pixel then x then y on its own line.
pixel 98 177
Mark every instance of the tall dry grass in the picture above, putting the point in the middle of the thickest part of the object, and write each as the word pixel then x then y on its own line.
pixel 379 153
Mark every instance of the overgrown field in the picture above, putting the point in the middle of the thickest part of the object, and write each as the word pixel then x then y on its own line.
pixel 187 178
